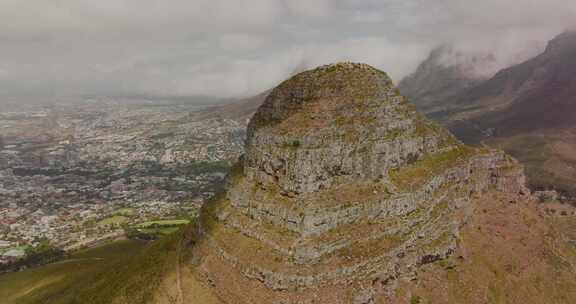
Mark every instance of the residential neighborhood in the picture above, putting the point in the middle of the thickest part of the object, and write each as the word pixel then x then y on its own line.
pixel 76 173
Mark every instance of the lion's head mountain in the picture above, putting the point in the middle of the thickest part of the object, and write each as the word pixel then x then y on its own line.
pixel 343 194
pixel 343 191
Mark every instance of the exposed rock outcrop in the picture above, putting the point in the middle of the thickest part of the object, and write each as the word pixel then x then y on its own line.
pixel 344 188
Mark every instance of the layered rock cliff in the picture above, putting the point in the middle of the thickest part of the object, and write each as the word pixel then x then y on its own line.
pixel 344 189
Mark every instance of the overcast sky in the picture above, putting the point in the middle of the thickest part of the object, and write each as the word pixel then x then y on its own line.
pixel 241 47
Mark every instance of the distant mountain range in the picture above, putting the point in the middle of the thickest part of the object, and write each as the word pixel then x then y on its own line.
pixel 239 109
pixel 444 75
pixel 527 109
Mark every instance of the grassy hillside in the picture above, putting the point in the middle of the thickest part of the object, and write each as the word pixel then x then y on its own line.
pixel 41 284
pixel 119 272
pixel 509 253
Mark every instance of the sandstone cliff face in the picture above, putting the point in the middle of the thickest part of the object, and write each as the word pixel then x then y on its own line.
pixel 344 188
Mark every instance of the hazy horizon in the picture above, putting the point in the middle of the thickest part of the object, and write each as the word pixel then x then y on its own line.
pixel 239 48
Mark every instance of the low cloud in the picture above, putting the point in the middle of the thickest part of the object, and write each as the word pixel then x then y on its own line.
pixel 241 47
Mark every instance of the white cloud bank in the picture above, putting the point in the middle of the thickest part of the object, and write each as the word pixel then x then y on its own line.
pixel 240 47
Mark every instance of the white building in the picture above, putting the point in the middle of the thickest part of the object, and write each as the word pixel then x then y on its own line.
pixel 14 253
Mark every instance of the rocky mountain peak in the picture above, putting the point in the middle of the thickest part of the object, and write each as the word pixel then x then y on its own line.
pixel 565 42
pixel 328 91
pixel 343 189
pixel 334 124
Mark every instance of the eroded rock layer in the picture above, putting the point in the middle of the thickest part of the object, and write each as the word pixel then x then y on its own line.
pixel 343 189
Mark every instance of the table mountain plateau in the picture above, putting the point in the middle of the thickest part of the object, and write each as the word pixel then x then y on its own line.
pixel 527 109
pixel 444 75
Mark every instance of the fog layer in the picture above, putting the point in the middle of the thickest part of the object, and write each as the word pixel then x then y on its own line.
pixel 241 47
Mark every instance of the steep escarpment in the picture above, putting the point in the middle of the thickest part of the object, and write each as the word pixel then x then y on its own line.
pixel 535 95
pixel 343 190
pixel 443 76
pixel 527 110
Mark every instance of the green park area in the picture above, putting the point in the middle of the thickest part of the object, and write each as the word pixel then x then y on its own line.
pixel 160 227
pixel 115 220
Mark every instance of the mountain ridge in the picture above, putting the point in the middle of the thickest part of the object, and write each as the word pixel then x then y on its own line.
pixel 441 77
pixel 542 85
pixel 526 109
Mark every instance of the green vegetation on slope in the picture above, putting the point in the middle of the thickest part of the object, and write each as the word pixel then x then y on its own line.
pixel 119 272
pixel 508 254
pixel 42 254
pixel 115 220
pixel 47 283
pixel 163 223
pixel 125 212
pixel 407 178
pixel 134 282
pixel 154 229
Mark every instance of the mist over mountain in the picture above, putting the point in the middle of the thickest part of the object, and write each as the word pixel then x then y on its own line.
pixel 442 76
pixel 541 92
pixel 128 47
pixel 527 109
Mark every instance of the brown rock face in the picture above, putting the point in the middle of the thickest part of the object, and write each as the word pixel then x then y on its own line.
pixel 333 125
pixel 344 188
